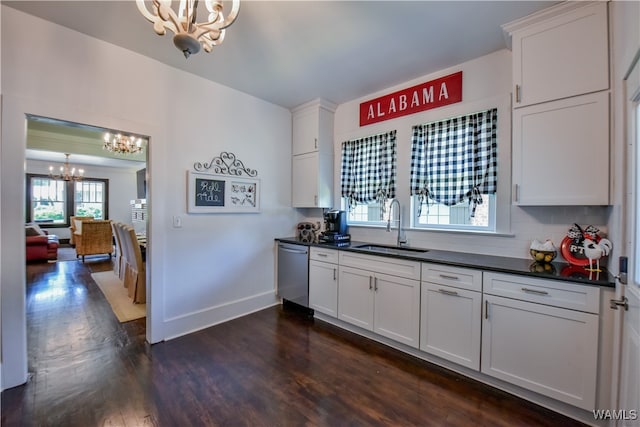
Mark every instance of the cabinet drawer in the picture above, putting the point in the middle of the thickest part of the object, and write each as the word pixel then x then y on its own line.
pixel 387 265
pixel 549 292
pixel 464 278
pixel 325 255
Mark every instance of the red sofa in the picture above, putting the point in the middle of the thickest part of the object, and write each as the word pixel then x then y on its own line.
pixel 42 248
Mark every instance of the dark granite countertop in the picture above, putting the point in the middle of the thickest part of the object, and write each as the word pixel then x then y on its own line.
pixel 526 267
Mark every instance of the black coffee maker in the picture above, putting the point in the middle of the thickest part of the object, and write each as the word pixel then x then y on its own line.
pixel 335 226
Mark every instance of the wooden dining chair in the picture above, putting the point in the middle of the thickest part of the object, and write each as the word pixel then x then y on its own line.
pixel 95 238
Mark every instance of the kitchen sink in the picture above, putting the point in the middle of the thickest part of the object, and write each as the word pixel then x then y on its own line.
pixel 391 249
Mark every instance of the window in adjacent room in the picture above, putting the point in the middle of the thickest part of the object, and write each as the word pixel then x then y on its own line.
pixel 47 200
pixel 52 201
pixel 89 199
pixel 368 178
pixel 454 173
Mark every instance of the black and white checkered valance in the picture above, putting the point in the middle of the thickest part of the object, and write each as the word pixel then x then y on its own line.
pixel 455 160
pixel 369 169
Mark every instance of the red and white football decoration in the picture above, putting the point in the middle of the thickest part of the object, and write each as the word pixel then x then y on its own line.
pixel 584 248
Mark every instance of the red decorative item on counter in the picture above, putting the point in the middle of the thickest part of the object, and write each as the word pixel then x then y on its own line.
pixel 578 245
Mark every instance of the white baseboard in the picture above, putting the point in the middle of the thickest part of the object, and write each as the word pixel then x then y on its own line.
pixel 195 321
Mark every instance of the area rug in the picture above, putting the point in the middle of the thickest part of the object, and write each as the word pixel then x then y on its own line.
pixel 116 294
pixel 66 253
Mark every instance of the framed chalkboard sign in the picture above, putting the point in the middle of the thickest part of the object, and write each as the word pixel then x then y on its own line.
pixel 209 193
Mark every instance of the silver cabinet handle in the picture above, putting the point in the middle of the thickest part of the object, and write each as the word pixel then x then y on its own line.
pixel 534 291
pixel 446 292
pixel 445 276
pixel 486 309
pixel 518 94
pixel 375 284
pixel 315 200
pixel 370 282
pixel 334 274
pixel 516 192
pixel 323 255
pixel 315 142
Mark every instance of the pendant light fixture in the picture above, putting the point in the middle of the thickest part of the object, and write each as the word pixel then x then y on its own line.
pixel 190 34
pixel 122 144
pixel 67 173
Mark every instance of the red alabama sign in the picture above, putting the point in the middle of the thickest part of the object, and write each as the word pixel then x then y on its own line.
pixel 433 94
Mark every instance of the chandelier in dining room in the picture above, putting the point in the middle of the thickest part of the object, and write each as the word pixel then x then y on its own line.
pixel 122 144
pixel 67 173
pixel 190 35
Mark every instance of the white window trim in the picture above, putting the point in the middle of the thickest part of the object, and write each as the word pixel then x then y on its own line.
pixel 491 228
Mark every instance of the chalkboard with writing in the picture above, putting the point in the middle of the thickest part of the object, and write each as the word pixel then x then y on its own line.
pixel 212 193
pixel 209 192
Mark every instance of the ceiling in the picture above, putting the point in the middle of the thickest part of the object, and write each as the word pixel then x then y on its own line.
pixel 290 52
pixel 49 139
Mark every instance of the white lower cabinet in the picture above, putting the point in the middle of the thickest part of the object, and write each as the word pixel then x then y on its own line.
pixel 323 280
pixel 450 324
pixel 539 334
pixel 323 287
pixel 450 313
pixel 385 304
pixel 541 347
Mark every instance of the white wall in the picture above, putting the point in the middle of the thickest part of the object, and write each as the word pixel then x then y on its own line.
pixel 0 211
pixel 217 266
pixel 486 83
pixel 122 189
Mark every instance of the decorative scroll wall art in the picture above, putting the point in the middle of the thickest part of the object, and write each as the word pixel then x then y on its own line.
pixel 225 164
pixel 225 189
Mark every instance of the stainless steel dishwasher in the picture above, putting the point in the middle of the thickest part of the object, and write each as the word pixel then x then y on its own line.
pixel 293 273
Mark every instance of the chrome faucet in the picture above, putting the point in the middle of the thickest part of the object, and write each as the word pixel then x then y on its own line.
pixel 400 240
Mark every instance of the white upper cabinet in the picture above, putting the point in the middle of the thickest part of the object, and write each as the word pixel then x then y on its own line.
pixel 312 129
pixel 561 152
pixel 312 162
pixel 559 53
pixel 561 108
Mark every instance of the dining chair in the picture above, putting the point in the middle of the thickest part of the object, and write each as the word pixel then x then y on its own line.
pixel 117 264
pixel 94 238
pixel 135 275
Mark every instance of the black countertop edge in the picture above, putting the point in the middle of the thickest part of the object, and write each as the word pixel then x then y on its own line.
pixel 522 266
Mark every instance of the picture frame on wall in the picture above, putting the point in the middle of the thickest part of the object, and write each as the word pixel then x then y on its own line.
pixel 211 193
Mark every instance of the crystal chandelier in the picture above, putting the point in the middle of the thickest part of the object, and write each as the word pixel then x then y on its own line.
pixel 122 144
pixel 67 173
pixel 189 34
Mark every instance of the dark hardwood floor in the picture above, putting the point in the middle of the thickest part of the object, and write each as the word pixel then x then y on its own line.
pixel 271 368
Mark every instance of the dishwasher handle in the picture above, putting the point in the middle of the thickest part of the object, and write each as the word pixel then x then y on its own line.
pixel 293 251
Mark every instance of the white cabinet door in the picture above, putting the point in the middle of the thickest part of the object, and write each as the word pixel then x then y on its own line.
pixel 355 297
pixel 561 152
pixel 450 324
pixel 397 309
pixel 323 287
pixel 566 55
pixel 305 132
pixel 312 181
pixel 304 185
pixel 548 350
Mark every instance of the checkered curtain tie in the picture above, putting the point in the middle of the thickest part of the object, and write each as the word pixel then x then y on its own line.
pixel 369 169
pixel 455 160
